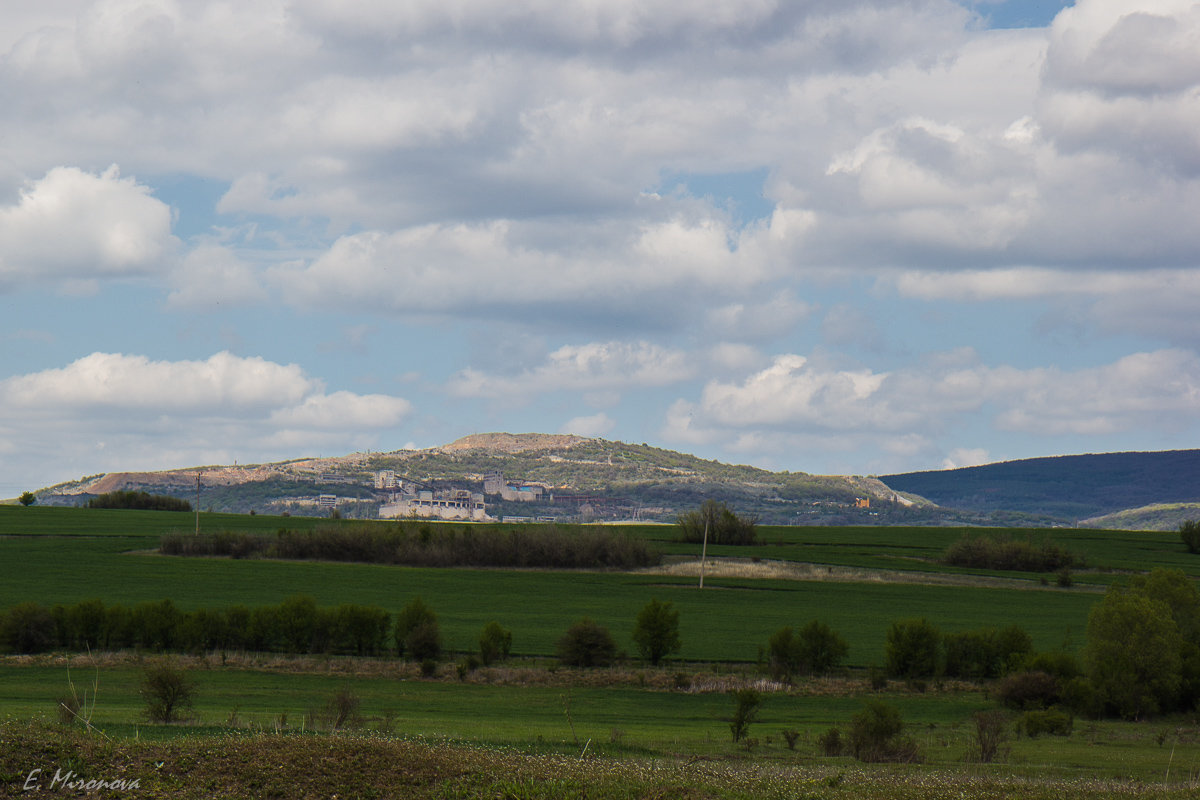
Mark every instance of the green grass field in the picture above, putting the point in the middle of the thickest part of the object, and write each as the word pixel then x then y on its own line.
pixel 727 621
pixel 623 715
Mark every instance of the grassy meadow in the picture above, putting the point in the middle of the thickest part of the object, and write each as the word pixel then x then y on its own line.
pixel 528 710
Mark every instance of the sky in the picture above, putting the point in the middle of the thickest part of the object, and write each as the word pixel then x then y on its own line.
pixel 829 236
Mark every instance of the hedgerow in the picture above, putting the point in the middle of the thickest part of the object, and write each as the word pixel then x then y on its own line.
pixel 424 545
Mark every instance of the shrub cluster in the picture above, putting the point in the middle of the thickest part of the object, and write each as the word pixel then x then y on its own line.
pixel 816 649
pixel 425 545
pixel 586 644
pixel 723 526
pixel 1052 721
pixel 141 501
pixel 915 648
pixel 1004 553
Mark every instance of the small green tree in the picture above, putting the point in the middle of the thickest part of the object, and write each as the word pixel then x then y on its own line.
pixel 989 735
pixel 745 711
pixel 656 632
pixel 297 621
pixel 411 617
pixel 783 654
pixel 1132 655
pixel 821 648
pixel 913 649
pixel 494 643
pixel 424 642
pixel 586 644
pixel 27 498
pixel 1189 531
pixel 167 690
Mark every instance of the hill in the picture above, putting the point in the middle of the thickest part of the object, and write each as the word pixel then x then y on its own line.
pixel 1157 517
pixel 574 478
pixel 1071 487
pixel 578 478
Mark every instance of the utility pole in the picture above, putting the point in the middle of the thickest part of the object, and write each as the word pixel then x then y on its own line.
pixel 199 472
pixel 703 553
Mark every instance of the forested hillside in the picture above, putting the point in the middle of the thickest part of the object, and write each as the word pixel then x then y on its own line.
pixel 1071 487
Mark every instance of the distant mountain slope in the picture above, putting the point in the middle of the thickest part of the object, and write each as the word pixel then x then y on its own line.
pixel 1071 487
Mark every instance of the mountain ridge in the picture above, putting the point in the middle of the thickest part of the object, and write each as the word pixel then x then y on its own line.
pixel 1074 487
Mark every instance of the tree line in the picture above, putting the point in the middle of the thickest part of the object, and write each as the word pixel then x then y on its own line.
pixel 420 544
pixel 1006 553
pixel 142 501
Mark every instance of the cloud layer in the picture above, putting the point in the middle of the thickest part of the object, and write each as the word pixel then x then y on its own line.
pixel 111 411
pixel 751 226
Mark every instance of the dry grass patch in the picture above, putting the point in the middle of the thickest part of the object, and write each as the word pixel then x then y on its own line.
pixel 768 569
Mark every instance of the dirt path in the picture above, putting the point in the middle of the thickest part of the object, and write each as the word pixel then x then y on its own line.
pixel 800 571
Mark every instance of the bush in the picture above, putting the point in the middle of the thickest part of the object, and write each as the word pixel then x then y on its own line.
pixel 875 735
pixel 817 649
pixel 913 649
pixel 1029 689
pixel 167 690
pixel 1189 532
pixel 783 653
pixel 28 628
pixel 821 648
pixel 656 631
pixel 723 526
pixel 1051 721
pixel 494 643
pixel 586 644
pixel 831 743
pixel 27 498
pixel 989 734
pixel 341 710
pixel 1063 666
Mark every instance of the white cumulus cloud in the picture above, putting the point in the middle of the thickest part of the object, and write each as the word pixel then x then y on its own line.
pixel 112 411
pixel 73 224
